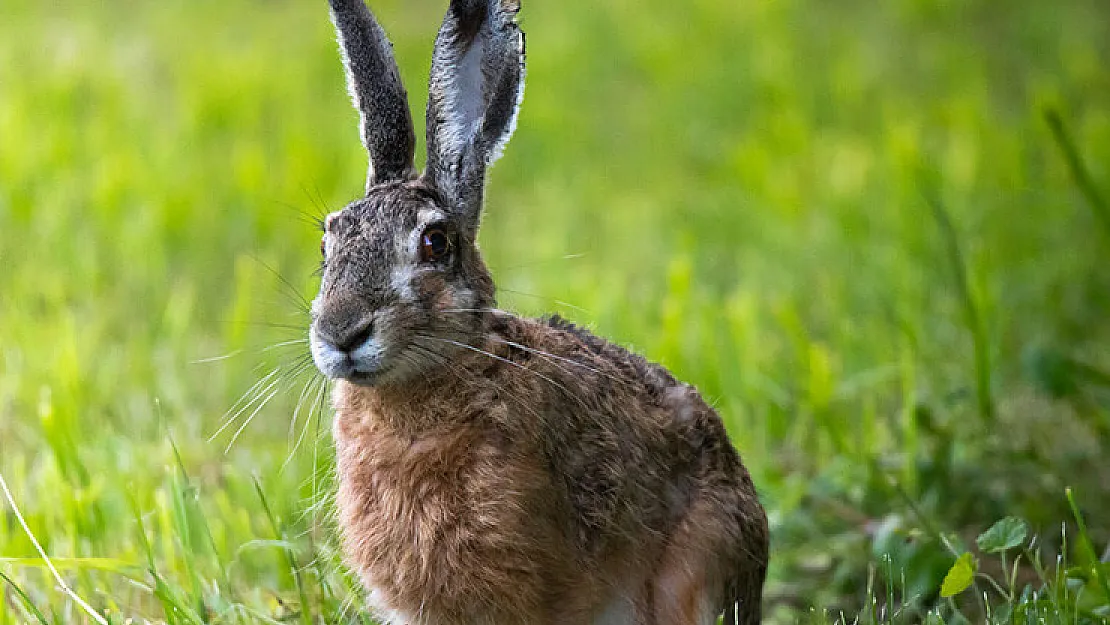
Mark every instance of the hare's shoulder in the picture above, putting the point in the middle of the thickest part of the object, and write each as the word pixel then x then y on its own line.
pixel 591 363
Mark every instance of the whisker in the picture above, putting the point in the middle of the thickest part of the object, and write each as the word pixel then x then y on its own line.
pixel 307 422
pixel 250 393
pixel 471 310
pixel 544 261
pixel 293 420
pixel 320 400
pixel 468 378
pixel 260 405
pixel 238 352
pixel 414 363
pixel 541 353
pixel 303 215
pixel 289 291
pixel 495 357
pixel 258 390
pixel 317 201
pixel 271 348
pixel 202 361
pixel 279 326
pixel 557 302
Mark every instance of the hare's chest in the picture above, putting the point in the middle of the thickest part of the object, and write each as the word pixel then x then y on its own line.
pixel 433 522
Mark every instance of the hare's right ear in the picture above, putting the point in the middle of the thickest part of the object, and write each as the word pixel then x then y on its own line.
pixel 476 84
pixel 377 92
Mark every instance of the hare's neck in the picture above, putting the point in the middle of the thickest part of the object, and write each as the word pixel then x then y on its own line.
pixel 409 410
pixel 433 400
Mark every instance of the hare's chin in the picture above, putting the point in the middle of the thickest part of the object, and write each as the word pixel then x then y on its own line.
pixel 349 372
pixel 359 378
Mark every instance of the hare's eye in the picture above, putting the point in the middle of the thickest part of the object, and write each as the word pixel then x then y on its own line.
pixel 434 245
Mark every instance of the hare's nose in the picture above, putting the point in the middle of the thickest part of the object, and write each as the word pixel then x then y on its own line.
pixel 344 335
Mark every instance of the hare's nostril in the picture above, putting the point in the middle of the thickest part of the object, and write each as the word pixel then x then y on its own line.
pixel 350 338
pixel 359 337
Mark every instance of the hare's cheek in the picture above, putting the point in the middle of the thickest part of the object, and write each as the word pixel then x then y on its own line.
pixel 429 288
pixel 400 281
pixel 455 298
pixel 448 301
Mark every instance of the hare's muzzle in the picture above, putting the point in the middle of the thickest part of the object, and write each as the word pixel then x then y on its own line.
pixel 344 344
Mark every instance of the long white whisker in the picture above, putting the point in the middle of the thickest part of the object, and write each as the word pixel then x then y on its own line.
pixel 284 344
pixel 569 361
pixel 542 262
pixel 320 399
pixel 293 421
pixel 262 404
pixel 202 361
pixel 471 310
pixel 239 406
pixel 544 297
pixel 307 421
pixel 495 357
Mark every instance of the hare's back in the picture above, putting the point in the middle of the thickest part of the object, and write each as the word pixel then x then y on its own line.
pixel 633 446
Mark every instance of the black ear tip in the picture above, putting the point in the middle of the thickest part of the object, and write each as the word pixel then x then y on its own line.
pixel 468 9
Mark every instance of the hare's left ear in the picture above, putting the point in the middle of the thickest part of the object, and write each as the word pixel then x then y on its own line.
pixel 377 91
pixel 475 89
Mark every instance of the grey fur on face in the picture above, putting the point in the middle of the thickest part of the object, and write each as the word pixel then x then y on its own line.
pixel 379 292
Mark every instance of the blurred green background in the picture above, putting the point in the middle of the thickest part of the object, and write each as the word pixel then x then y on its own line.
pixel 849 223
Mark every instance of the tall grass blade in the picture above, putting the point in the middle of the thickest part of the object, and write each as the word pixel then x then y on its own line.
pixel 287 549
pixel 1089 547
pixel 46 559
pixel 973 317
pixel 1077 167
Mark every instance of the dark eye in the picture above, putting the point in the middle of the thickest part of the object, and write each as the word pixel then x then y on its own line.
pixel 434 245
pixel 324 246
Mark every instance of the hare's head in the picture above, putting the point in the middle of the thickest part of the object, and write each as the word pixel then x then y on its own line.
pixel 403 283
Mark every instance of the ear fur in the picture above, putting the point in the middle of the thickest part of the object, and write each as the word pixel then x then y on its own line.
pixel 378 94
pixel 475 90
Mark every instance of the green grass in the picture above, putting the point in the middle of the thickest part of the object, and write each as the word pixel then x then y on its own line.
pixel 874 234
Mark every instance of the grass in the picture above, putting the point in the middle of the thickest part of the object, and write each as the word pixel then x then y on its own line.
pixel 873 235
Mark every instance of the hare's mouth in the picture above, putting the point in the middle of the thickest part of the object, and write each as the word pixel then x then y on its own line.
pixel 366 378
pixel 351 372
pixel 362 362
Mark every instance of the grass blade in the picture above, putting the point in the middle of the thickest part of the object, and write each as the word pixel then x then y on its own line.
pixel 27 604
pixel 972 315
pixel 1077 167
pixel 1089 547
pixel 46 559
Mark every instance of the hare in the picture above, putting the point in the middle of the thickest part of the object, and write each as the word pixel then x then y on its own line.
pixel 496 470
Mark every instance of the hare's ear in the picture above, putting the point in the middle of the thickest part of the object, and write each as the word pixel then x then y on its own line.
pixel 475 89
pixel 377 92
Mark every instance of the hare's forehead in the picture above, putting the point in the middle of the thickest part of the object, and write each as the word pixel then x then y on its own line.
pixel 363 220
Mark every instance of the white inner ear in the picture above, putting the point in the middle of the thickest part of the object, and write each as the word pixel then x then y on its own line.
pixel 469 100
pixel 499 147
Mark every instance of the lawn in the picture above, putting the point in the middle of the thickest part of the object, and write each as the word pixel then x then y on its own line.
pixel 875 235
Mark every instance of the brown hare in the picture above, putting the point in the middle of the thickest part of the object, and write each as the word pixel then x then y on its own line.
pixel 495 470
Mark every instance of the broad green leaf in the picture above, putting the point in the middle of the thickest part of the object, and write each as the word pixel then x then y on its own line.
pixel 959 577
pixel 1003 535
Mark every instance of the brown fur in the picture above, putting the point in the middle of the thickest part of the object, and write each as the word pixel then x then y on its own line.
pixel 533 489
